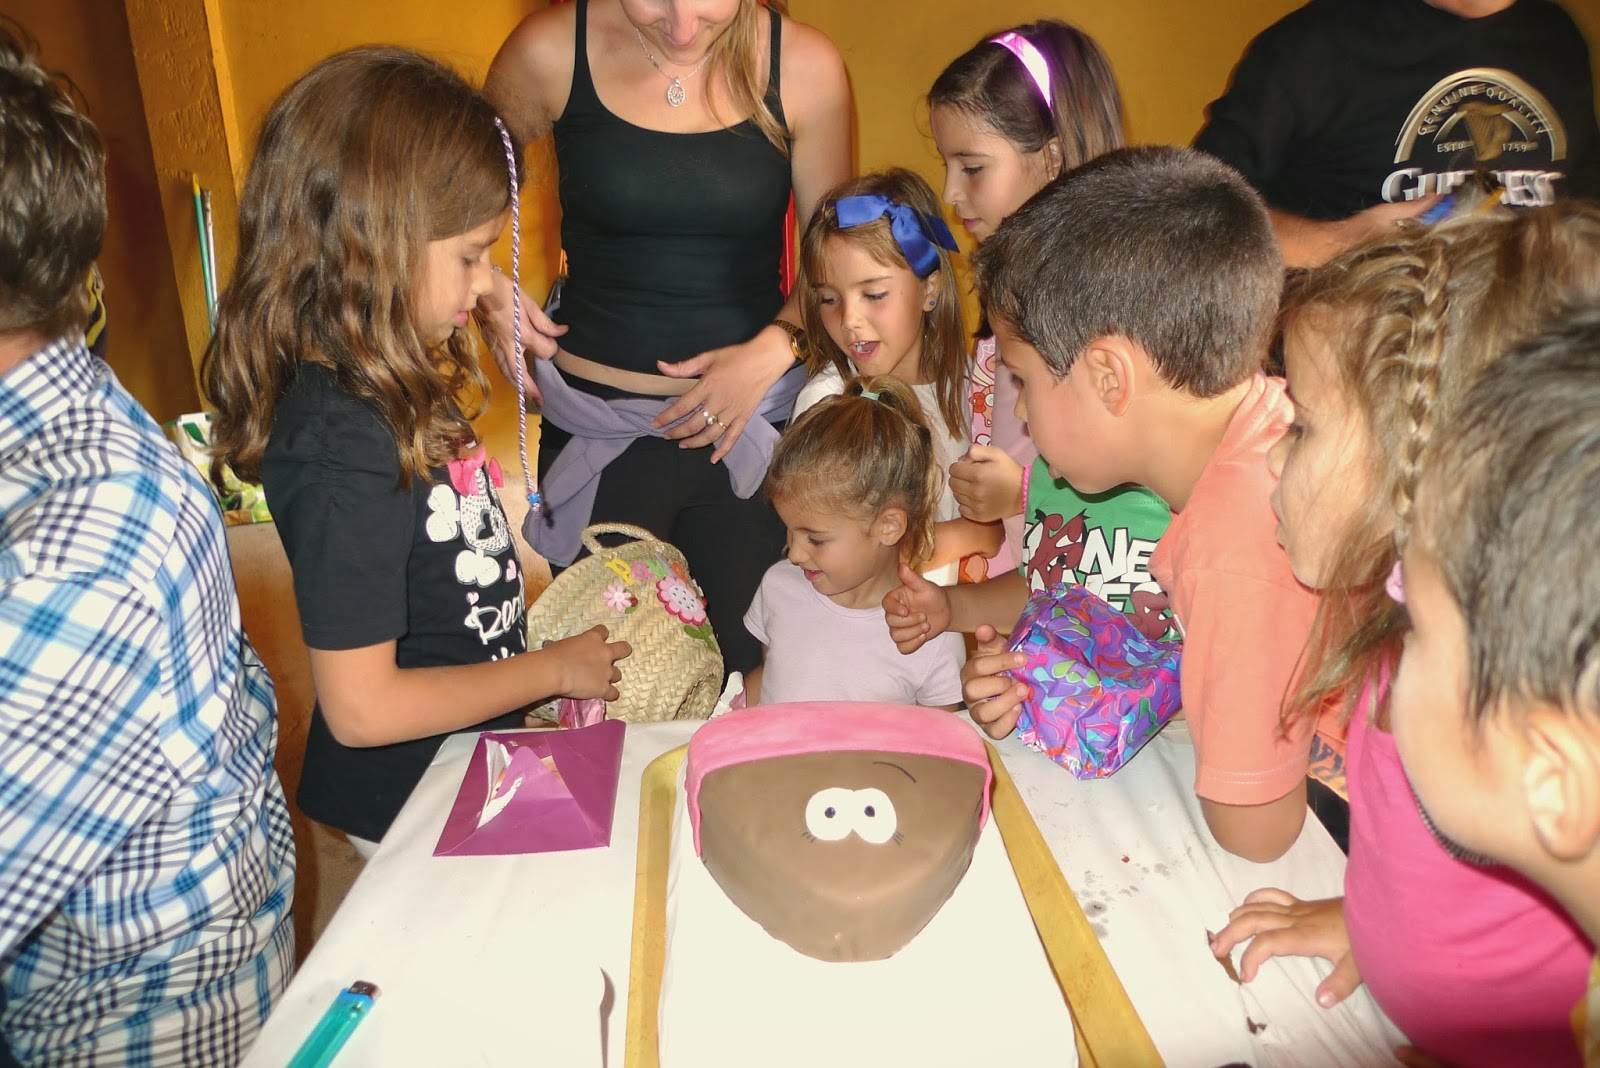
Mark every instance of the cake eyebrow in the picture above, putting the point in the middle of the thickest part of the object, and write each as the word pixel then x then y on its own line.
pixel 898 768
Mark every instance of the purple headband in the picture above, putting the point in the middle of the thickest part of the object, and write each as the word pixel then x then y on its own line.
pixel 1032 59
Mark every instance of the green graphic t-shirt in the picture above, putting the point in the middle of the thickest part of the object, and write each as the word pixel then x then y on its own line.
pixel 1101 541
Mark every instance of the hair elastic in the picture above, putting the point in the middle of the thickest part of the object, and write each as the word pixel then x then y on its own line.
pixel 869 394
pixel 1395 584
pixel 534 503
pixel 917 233
pixel 1032 59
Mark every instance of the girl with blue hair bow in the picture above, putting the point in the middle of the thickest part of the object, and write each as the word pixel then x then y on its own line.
pixel 879 297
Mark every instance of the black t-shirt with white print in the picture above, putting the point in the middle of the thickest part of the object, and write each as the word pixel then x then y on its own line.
pixel 1345 104
pixel 429 567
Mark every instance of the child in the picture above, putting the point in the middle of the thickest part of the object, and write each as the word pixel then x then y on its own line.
pixel 1132 299
pixel 146 856
pixel 855 483
pixel 379 185
pixel 878 294
pixel 1495 707
pixel 1380 345
pixel 1008 115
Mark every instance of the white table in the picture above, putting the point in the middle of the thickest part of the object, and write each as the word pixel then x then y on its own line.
pixel 519 960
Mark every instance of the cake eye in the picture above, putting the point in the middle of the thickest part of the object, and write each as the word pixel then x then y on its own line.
pixel 828 813
pixel 876 822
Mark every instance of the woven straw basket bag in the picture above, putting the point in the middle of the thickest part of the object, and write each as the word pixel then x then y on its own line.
pixel 642 593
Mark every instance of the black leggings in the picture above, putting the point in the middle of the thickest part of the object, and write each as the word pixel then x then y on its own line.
pixel 682 498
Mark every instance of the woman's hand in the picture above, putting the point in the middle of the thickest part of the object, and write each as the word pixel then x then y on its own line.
pixel 987 484
pixel 732 382
pixel 538 333
pixel 1280 924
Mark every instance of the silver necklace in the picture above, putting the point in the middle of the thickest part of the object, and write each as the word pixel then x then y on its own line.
pixel 675 93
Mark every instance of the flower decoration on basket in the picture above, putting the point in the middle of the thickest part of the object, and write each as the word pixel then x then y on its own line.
pixel 681 600
pixel 618 597
pixel 642 593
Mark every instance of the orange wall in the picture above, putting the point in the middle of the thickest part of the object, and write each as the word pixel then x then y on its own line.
pixel 88 40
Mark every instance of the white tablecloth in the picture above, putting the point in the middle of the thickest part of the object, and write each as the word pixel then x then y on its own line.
pixel 522 960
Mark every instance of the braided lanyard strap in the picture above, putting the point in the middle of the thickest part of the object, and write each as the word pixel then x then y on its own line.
pixel 534 503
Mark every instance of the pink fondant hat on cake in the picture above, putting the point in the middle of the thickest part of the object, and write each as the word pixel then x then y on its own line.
pixel 771 731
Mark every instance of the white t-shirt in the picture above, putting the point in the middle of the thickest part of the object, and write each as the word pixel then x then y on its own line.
pixel 947 448
pixel 821 651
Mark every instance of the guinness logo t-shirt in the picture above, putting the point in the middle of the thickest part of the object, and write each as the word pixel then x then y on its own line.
pixel 1345 104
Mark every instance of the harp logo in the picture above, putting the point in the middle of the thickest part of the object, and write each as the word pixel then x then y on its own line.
pixel 1479 118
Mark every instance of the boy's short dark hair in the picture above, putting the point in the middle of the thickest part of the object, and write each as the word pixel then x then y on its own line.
pixel 52 194
pixel 1167 247
pixel 1507 510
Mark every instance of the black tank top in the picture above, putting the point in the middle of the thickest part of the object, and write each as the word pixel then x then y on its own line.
pixel 673 240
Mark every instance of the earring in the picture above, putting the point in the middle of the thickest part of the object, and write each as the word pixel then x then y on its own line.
pixel 933 302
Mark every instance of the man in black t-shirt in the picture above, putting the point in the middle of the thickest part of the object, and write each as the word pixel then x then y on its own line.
pixel 1351 115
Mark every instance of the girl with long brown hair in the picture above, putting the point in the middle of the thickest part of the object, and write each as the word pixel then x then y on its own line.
pixel 878 294
pixel 1008 115
pixel 343 380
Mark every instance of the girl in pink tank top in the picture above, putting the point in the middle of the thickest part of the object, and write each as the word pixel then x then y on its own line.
pixel 1473 962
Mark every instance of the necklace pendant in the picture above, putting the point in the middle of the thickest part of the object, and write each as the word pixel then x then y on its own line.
pixel 675 93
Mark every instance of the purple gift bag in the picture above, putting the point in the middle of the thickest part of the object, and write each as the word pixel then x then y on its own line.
pixel 1100 689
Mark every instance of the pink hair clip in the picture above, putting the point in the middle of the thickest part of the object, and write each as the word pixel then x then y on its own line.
pixel 1395 585
pixel 1032 59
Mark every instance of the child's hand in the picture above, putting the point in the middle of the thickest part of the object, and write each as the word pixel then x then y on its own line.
pixel 589 664
pixel 539 333
pixel 917 611
pixel 995 700
pixel 1283 925
pixel 987 484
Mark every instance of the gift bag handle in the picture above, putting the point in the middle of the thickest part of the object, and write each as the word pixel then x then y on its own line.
pixel 591 535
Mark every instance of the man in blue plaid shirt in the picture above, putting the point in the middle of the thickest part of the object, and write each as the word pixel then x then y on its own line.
pixel 146 862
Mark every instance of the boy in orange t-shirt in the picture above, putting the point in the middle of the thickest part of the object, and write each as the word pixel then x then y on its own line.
pixel 1133 300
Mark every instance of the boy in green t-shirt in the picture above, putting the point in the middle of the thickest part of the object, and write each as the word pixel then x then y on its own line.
pixel 1100 541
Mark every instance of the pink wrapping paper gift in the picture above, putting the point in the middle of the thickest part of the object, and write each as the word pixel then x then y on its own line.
pixel 536 792
pixel 1099 688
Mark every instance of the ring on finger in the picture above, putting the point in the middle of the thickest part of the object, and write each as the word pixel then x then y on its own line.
pixel 711 420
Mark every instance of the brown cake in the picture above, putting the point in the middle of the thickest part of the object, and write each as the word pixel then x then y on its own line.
pixel 840 828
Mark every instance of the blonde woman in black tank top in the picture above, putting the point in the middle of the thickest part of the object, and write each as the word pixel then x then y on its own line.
pixel 680 127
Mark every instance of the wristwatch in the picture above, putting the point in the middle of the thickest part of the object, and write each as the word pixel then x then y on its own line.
pixel 799 344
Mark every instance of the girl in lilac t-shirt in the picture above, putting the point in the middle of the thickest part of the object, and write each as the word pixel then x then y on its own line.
pixel 855 483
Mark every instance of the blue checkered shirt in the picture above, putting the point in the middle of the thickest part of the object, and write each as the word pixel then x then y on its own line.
pixel 146 860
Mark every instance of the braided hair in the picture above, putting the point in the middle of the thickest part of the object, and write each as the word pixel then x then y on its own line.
pixel 1411 321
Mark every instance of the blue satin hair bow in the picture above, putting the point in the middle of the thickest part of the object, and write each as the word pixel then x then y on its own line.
pixel 915 232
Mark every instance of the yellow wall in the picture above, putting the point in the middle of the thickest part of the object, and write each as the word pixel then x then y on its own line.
pixel 88 40
pixel 268 45
pixel 1172 58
